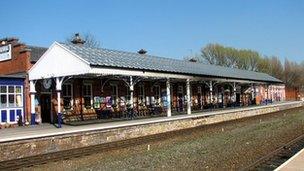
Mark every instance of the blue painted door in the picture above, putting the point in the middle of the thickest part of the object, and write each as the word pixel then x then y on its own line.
pixel 3 115
pixel 19 113
pixel 12 115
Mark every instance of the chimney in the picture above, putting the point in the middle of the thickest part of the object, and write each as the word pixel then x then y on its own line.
pixel 192 60
pixel 77 40
pixel 9 40
pixel 142 51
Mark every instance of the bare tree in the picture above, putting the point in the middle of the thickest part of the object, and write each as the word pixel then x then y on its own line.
pixel 292 74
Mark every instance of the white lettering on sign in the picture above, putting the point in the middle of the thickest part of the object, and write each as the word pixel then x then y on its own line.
pixel 5 52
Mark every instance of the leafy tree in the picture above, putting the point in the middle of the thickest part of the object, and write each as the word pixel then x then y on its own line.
pixel 289 72
pixel 230 57
pixel 272 66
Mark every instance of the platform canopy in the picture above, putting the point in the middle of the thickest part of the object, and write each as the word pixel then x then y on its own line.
pixel 69 60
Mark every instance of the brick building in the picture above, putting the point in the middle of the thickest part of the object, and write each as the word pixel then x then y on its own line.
pixel 293 93
pixel 274 93
pixel 21 58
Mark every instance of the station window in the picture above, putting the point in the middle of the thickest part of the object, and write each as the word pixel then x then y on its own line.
pixel 87 95
pixel 199 90
pixel 3 100
pixel 157 93
pixel 180 91
pixel 11 96
pixel 67 94
pixel 114 94
pixel 3 96
pixel 11 100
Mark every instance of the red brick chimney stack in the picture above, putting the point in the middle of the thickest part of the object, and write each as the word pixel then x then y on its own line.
pixel 9 40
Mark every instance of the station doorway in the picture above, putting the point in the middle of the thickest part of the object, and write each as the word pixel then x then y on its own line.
pixel 45 100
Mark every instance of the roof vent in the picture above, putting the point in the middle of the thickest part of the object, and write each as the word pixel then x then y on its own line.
pixel 192 60
pixel 142 51
pixel 77 40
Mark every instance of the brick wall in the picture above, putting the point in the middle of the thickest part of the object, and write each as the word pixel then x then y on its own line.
pixel 19 63
pixel 292 93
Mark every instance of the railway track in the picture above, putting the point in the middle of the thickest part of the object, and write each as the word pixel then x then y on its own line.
pixel 278 156
pixel 74 153
pixel 269 162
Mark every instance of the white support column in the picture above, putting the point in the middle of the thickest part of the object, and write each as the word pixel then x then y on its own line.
pixel 271 92
pixel 168 97
pixel 33 111
pixel 234 94
pixel 267 94
pixel 131 92
pixel 241 96
pixel 254 93
pixel 188 97
pixel 58 89
pixel 210 91
pixel 201 97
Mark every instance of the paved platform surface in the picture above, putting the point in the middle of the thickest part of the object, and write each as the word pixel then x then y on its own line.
pixel 45 130
pixel 295 163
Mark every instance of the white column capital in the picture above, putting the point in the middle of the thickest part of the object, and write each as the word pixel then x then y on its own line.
pixel 131 87
pixel 32 87
pixel 168 80
pixel 59 83
pixel 211 86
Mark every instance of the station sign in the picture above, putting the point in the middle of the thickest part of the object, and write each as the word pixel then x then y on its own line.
pixel 6 52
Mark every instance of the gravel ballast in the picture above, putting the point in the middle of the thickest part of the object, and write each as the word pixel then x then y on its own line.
pixel 231 145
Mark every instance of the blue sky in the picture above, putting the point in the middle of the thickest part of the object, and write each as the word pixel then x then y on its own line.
pixel 171 28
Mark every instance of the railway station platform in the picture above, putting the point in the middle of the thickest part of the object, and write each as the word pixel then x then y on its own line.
pixel 46 130
pixel 23 142
pixel 295 163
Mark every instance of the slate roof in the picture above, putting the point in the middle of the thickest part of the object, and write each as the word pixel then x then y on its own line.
pixel 14 75
pixel 101 57
pixel 36 52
